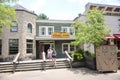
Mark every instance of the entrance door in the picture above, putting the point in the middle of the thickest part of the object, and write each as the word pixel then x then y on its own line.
pixel 46 47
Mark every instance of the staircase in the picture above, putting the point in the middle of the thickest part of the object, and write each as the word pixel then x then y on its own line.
pixel 34 65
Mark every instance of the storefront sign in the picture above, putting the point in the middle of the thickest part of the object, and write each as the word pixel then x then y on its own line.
pixel 60 35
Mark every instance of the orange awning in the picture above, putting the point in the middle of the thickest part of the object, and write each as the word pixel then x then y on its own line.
pixel 117 36
pixel 108 36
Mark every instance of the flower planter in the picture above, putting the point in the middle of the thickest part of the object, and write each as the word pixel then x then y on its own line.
pixel 90 62
pixel 78 63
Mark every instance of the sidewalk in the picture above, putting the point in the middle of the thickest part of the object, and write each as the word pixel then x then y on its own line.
pixel 61 74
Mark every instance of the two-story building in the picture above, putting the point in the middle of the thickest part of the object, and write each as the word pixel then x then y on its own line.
pixel 57 34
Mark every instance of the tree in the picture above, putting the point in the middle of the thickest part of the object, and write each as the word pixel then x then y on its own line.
pixel 7 14
pixel 93 30
pixel 42 16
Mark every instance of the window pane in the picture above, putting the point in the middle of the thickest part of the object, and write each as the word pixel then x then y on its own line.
pixel 14 27
pixel 13 46
pixel 64 29
pixel 65 47
pixel 43 31
pixel 71 31
pixel 50 30
pixel 29 46
pixel 29 30
pixel 72 48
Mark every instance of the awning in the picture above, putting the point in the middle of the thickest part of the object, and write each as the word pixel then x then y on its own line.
pixel 117 36
pixel 108 36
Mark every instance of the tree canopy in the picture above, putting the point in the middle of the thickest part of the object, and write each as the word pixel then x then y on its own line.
pixel 93 30
pixel 42 16
pixel 7 14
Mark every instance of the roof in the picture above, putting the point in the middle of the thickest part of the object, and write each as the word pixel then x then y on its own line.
pixel 18 7
pixel 56 21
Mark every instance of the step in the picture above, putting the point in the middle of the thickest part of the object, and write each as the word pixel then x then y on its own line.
pixel 33 65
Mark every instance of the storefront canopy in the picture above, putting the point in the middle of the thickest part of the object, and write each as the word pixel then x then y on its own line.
pixel 117 36
pixel 108 36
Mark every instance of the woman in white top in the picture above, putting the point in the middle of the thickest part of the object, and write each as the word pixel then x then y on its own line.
pixel 49 52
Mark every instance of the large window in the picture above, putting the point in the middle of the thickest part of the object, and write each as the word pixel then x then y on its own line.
pixel 0 47
pixel 14 27
pixel 68 47
pixel 29 28
pixel 29 46
pixel 69 30
pixel 13 46
pixel 46 30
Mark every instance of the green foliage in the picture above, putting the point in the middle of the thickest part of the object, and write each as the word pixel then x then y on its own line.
pixel 42 16
pixel 92 31
pixel 7 14
pixel 87 53
pixel 77 54
pixel 118 54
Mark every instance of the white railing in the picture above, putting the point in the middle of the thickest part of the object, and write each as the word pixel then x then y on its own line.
pixel 16 58
pixel 15 61
pixel 70 58
pixel 44 60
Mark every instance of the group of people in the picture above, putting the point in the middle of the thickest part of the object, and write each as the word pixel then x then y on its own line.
pixel 51 54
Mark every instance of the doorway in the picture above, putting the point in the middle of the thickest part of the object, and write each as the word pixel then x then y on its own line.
pixel 46 47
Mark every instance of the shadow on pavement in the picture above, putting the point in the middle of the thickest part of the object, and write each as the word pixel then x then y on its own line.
pixel 86 71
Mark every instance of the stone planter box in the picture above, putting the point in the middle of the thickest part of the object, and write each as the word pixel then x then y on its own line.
pixel 90 62
pixel 78 64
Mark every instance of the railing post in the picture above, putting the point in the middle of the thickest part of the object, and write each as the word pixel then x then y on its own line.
pixel 14 61
pixel 44 60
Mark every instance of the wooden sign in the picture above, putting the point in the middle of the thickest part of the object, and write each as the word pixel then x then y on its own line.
pixel 60 35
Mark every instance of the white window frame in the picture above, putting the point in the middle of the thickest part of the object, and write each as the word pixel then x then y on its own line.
pixel 68 29
pixel 68 47
pixel 46 30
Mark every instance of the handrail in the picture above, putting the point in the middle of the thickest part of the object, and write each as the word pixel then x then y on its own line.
pixel 44 60
pixel 70 58
pixel 43 56
pixel 15 60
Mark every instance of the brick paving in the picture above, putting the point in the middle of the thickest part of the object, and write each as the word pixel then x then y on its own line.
pixel 61 74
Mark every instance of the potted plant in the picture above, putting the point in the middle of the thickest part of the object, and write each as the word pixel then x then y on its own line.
pixel 90 60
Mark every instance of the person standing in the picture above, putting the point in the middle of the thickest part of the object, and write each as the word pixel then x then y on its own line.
pixel 49 53
pixel 54 56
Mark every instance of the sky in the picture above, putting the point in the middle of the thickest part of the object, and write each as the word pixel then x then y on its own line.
pixel 61 9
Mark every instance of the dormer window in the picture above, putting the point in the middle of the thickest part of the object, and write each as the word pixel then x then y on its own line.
pixel 29 28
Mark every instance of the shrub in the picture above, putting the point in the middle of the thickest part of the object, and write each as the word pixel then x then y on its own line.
pixel 77 55
pixel 87 53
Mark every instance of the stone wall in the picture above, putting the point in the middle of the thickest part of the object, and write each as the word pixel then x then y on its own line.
pixel 23 18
